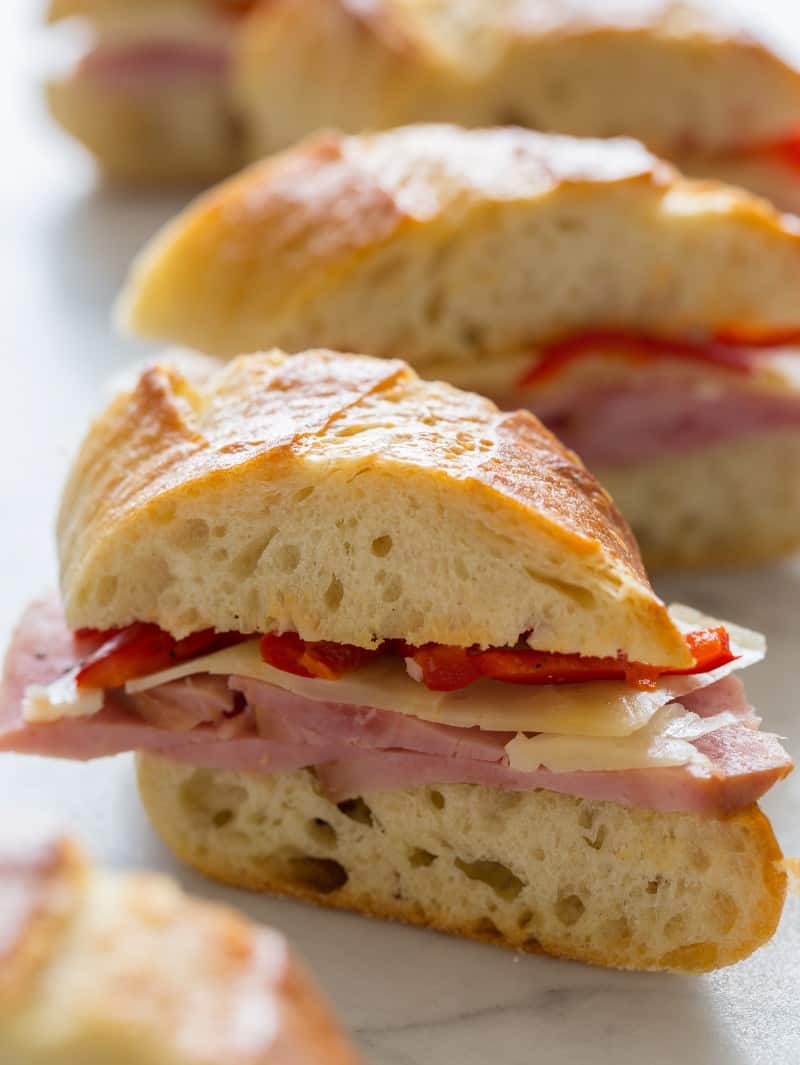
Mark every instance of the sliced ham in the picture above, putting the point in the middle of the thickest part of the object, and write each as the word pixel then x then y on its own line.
pixel 618 424
pixel 744 765
pixel 243 724
pixel 150 65
pixel 290 718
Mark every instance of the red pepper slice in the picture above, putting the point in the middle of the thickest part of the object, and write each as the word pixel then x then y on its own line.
pixel 140 649
pixel 319 658
pixel 731 349
pixel 785 150
pixel 449 668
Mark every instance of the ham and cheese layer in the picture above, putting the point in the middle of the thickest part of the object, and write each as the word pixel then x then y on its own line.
pixel 690 743
pixel 618 398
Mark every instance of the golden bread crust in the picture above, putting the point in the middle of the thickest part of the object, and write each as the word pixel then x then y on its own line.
pixel 127 968
pixel 267 419
pixel 425 243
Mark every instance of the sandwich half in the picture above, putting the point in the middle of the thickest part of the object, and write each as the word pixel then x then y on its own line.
pixel 198 83
pixel 150 96
pixel 99 967
pixel 651 321
pixel 383 647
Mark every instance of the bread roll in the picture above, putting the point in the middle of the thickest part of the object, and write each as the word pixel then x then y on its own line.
pixel 462 247
pixel 281 493
pixel 575 878
pixel 101 967
pixel 698 88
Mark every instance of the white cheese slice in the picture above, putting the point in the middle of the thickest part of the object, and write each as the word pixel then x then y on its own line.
pixel 60 699
pixel 596 709
pixel 665 741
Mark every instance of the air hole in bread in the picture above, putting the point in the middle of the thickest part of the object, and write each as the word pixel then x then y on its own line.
pixel 222 818
pixel 434 306
pixel 495 875
pixel 653 886
pixel 524 918
pixel 618 931
pixel 486 928
pixel 381 546
pixel 220 555
pixel 419 858
pixel 472 336
pixel 287 558
pixel 393 590
pixel 675 926
pixel 437 799
pixel 357 810
pixel 582 597
pixel 321 832
pixel 586 817
pixel 569 909
pixel 106 590
pixel 323 875
pixel 220 531
pixel 598 840
pixel 191 535
pixel 304 493
pixel 333 594
pixel 203 795
pixel 700 860
pixel 726 912
pixel 245 563
pixel 461 570
pixel 533 944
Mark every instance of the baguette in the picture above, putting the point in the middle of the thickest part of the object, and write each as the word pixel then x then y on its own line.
pixel 102 967
pixel 381 645
pixel 699 89
pixel 473 254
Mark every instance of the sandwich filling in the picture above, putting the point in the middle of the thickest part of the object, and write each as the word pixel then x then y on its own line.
pixel 137 51
pixel 397 716
pixel 588 388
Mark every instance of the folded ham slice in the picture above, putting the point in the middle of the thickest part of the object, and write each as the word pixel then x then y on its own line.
pixel 244 724
pixel 638 421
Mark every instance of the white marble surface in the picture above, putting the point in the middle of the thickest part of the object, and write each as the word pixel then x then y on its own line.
pixel 411 998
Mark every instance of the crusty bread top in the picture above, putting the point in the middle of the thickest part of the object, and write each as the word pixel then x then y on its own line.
pixel 343 497
pixel 433 243
pixel 101 967
pixel 675 75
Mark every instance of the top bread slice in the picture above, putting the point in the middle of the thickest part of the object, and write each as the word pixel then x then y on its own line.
pixel 676 75
pixel 344 498
pixel 99 968
pixel 439 244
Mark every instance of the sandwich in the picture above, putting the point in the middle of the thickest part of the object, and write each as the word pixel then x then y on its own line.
pixel 650 321
pixel 110 967
pixel 150 96
pixel 182 88
pixel 383 647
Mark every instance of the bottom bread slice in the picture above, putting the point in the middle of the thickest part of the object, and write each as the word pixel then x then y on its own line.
pixel 589 880
pixel 733 502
